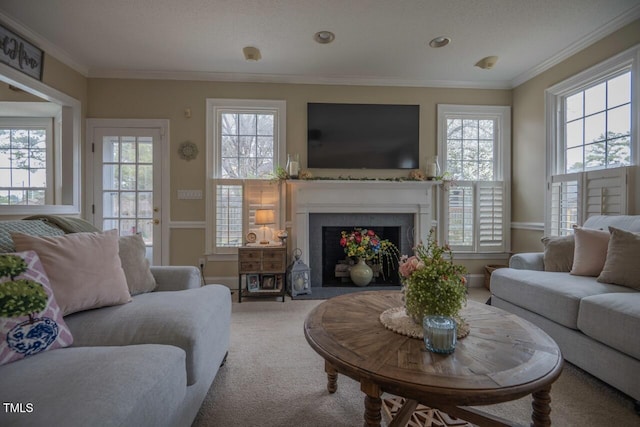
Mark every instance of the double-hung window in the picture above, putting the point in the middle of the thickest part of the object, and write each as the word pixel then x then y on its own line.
pixel 474 152
pixel 245 145
pixel 590 142
pixel 26 172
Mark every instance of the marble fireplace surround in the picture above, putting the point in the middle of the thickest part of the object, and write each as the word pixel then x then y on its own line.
pixel 358 197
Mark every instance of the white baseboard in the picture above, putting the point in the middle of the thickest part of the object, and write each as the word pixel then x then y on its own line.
pixel 476 280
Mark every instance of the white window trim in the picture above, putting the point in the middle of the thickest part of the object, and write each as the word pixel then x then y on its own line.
pixel 213 162
pixel 52 172
pixel 502 156
pixel 554 113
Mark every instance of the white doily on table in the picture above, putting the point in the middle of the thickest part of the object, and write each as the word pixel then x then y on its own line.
pixel 397 320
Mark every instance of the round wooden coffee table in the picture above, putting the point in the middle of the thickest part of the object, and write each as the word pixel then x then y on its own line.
pixel 503 358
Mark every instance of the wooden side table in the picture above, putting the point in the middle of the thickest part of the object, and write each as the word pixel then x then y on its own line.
pixel 262 271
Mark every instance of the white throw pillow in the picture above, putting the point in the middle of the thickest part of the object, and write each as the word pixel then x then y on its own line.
pixel 84 269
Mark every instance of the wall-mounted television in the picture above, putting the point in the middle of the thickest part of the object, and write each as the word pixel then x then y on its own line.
pixel 362 136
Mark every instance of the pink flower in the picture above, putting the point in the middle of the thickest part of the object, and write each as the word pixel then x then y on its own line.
pixel 371 233
pixel 358 238
pixel 343 241
pixel 409 266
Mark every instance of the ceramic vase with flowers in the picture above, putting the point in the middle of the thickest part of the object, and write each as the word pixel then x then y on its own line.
pixel 367 247
pixel 433 285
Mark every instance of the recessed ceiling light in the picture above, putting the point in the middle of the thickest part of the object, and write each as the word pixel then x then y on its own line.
pixel 440 41
pixel 324 37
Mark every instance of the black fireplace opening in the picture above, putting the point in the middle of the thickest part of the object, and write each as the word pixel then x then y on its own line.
pixel 335 262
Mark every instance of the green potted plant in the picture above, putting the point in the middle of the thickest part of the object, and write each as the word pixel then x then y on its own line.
pixel 433 284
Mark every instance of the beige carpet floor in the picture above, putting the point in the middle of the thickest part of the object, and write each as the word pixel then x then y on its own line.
pixel 273 378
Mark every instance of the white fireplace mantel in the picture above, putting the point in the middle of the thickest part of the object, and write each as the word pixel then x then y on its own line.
pixel 352 196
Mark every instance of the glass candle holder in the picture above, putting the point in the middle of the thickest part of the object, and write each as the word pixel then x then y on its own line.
pixel 439 334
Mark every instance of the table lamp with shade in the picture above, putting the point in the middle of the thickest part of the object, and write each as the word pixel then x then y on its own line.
pixel 265 217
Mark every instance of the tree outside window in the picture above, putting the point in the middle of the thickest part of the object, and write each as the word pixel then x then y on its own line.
pixel 23 165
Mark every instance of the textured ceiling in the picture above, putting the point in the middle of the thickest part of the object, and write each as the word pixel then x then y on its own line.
pixel 377 41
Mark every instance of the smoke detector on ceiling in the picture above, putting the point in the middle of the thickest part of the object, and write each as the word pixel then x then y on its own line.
pixel 251 53
pixel 487 63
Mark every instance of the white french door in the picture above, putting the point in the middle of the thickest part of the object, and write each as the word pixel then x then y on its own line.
pixel 127 180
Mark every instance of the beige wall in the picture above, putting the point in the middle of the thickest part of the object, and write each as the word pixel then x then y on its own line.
pixel 114 98
pixel 529 144
pixel 121 98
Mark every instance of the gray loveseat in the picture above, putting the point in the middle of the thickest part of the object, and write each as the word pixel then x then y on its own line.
pixel 595 324
pixel 149 362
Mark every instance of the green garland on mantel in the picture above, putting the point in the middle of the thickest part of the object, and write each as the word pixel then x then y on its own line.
pixel 351 178
pixel 282 175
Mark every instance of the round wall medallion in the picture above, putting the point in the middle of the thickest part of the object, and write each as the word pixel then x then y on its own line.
pixel 188 150
pixel 251 237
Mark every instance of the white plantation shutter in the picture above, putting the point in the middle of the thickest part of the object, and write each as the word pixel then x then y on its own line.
pixel 605 193
pixel 575 197
pixel 459 203
pixel 476 220
pixel 564 200
pixel 491 216
pixel 236 204
pixel 228 208
pixel 261 194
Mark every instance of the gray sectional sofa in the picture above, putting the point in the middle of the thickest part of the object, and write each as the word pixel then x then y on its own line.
pixel 595 324
pixel 149 362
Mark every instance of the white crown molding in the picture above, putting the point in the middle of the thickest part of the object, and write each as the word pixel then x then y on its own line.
pixel 294 79
pixel 597 35
pixel 49 48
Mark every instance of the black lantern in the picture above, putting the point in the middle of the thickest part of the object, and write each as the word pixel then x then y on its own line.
pixel 298 276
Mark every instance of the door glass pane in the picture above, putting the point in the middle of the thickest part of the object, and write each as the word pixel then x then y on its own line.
pixel 128 227
pixel 145 228
pixel 145 152
pixel 110 149
pixel 110 224
pixel 128 154
pixel 110 177
pixel 145 177
pixel 145 205
pixel 128 178
pixel 127 204
pixel 110 205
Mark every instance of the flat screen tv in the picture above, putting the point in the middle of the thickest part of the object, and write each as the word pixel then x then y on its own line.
pixel 362 136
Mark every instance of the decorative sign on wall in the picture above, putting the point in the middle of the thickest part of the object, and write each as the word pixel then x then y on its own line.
pixel 18 53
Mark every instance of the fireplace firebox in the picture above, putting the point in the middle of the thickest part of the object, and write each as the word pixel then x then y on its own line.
pixel 325 251
pixel 335 263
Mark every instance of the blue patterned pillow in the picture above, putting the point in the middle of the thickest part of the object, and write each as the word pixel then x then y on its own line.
pixel 30 318
pixel 31 227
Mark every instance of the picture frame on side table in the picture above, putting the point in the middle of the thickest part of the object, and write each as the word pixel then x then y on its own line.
pixel 253 282
pixel 268 281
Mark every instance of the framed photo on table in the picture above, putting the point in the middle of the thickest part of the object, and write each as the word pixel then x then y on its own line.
pixel 268 281
pixel 253 282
